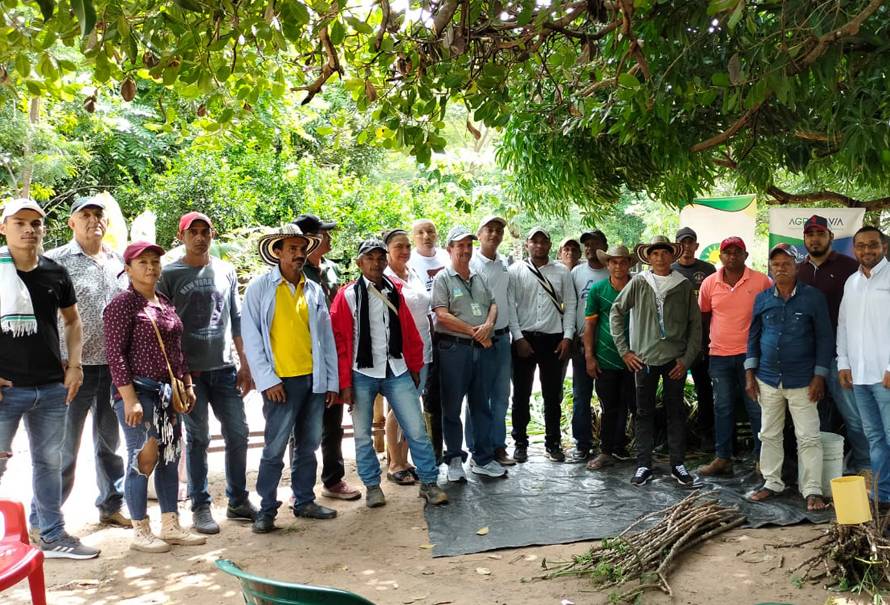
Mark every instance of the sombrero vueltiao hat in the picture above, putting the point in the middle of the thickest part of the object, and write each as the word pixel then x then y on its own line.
pixel 659 242
pixel 616 252
pixel 270 257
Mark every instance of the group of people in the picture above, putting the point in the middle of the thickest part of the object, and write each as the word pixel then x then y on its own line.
pixel 146 349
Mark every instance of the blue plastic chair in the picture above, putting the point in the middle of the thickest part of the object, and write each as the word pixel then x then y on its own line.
pixel 260 591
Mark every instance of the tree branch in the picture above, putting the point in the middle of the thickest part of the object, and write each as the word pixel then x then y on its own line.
pixel 783 197
pixel 851 28
pixel 443 16
pixel 331 66
pixel 727 134
pixel 384 24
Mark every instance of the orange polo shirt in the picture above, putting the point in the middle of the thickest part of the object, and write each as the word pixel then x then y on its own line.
pixel 731 308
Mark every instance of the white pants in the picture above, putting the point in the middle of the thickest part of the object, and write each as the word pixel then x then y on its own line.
pixel 805 416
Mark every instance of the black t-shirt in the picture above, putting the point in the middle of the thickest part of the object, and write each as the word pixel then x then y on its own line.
pixel 35 359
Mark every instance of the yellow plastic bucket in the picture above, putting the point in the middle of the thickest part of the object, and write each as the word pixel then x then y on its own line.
pixel 850 500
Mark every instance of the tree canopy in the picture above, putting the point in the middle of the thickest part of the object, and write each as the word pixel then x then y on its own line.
pixel 593 96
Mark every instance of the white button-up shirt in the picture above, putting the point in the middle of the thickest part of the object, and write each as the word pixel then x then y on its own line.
pixel 535 310
pixel 495 275
pixel 378 316
pixel 863 331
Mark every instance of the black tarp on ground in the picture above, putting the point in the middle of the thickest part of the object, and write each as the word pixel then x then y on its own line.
pixel 542 502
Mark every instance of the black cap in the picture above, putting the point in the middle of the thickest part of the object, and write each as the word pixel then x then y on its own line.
pixel 309 223
pixel 595 234
pixel 371 244
pixel 85 202
pixel 686 233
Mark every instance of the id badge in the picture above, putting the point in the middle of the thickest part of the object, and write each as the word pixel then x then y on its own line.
pixel 476 309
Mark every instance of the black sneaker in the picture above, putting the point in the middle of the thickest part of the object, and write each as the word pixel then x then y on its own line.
pixel 577 456
pixel 520 453
pixel 642 476
pixel 67 547
pixel 243 512
pixel 202 521
pixel 682 476
pixel 556 454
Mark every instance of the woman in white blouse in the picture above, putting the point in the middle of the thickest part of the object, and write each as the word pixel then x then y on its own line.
pixel 414 290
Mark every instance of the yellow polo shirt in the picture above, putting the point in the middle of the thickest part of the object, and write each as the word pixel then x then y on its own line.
pixel 291 340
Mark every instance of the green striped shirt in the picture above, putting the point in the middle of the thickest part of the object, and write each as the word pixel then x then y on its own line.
pixel 600 298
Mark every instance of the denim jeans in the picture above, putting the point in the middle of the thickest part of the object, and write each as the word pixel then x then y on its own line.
pixel 845 402
pixel 432 401
pixel 300 417
pixel 646 381
pixel 94 397
pixel 551 375
pixel 166 474
pixel 728 378
pixel 465 371
pixel 499 396
pixel 43 409
pixel 615 390
pixel 401 394
pixel 873 403
pixel 704 394
pixel 582 391
pixel 217 389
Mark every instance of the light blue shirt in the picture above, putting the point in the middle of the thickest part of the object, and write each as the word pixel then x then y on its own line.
pixel 257 312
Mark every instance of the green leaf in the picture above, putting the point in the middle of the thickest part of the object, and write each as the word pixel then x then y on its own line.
pixel 736 15
pixel 720 79
pixel 189 5
pixel 338 33
pixel 359 25
pixel 628 81
pixel 86 15
pixel 46 8
pixel 324 130
pixel 22 65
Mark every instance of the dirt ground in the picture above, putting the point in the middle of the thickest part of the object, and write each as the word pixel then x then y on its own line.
pixel 384 555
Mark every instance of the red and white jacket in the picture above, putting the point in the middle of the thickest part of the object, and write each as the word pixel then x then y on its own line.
pixel 343 322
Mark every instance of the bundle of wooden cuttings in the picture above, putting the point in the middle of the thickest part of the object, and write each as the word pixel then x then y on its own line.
pixel 647 555
pixel 852 557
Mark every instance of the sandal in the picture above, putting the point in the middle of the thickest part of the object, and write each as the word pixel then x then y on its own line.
pixel 401 477
pixel 815 503
pixel 414 474
pixel 764 493
pixel 601 461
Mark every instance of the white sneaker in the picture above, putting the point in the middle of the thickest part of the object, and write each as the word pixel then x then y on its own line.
pixel 456 472
pixel 492 469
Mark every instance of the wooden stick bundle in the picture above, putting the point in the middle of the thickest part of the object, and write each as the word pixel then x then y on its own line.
pixel 648 555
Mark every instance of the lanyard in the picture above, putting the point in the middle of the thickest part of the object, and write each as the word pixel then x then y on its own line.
pixel 548 287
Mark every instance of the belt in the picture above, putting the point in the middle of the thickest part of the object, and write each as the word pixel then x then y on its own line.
pixel 461 341
pixel 501 332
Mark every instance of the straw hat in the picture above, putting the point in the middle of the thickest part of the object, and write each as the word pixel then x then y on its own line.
pixel 616 252
pixel 270 256
pixel 659 242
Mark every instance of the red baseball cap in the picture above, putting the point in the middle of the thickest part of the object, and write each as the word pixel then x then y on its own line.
pixel 137 248
pixel 819 223
pixel 187 219
pixel 733 241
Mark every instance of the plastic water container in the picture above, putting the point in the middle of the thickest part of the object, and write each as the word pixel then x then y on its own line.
pixel 832 462
pixel 851 500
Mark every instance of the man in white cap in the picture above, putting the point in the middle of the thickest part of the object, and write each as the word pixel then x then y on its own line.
pixel 35 384
pixel 289 345
pixel 545 308
pixel 664 342
pixel 465 315
pixel 492 268
pixel 95 270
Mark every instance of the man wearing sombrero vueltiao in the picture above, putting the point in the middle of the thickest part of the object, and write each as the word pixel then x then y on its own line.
pixel 664 341
pixel 289 345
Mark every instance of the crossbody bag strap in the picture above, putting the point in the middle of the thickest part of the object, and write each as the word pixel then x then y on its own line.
pixel 548 287
pixel 373 290
pixel 161 343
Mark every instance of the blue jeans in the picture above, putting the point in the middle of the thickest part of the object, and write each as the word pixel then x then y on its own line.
pixel 404 401
pixel 845 401
pixel 300 417
pixel 728 377
pixel 873 403
pixel 582 392
pixel 217 389
pixel 44 410
pixel 94 397
pixel 166 473
pixel 498 398
pixel 466 370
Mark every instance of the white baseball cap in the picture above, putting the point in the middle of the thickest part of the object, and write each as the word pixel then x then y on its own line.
pixel 16 205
